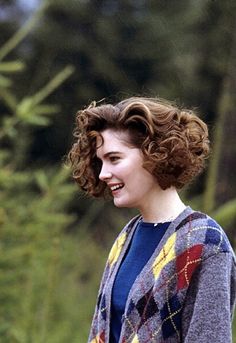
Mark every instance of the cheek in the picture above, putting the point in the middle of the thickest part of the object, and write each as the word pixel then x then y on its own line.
pixel 124 170
pixel 137 181
pixel 143 179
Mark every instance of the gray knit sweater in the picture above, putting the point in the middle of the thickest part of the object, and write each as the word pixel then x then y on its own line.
pixel 185 293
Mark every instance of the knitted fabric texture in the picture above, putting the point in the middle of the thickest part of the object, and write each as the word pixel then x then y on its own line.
pixel 157 300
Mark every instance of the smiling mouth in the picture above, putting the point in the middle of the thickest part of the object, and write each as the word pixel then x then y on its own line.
pixel 116 187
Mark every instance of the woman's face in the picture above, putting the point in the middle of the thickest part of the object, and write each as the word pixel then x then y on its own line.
pixel 131 185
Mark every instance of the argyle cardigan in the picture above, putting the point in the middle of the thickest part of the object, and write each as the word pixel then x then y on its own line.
pixel 185 292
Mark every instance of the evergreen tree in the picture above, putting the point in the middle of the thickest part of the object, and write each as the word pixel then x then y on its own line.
pixel 46 273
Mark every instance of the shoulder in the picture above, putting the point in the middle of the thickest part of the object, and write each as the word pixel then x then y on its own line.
pixel 199 231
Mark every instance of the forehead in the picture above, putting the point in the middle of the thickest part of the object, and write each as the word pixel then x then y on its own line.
pixel 111 140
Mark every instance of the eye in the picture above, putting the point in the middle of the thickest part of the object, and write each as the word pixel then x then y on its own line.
pixel 114 158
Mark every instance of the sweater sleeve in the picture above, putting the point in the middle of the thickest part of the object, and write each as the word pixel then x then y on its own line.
pixel 209 305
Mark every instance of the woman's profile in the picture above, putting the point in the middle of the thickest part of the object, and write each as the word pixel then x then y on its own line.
pixel 170 275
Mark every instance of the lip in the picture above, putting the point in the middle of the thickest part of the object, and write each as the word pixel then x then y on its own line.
pixel 115 191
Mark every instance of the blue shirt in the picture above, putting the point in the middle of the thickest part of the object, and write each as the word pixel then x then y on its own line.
pixel 145 240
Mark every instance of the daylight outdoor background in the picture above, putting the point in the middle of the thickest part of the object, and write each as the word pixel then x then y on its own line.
pixel 56 57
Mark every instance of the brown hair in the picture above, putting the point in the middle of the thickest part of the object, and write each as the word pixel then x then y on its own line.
pixel 174 141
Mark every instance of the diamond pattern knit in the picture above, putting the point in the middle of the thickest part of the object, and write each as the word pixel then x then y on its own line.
pixel 154 308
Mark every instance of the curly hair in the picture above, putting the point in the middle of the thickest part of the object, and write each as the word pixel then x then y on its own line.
pixel 174 141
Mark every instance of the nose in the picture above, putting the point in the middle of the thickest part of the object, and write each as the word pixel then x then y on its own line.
pixel 105 174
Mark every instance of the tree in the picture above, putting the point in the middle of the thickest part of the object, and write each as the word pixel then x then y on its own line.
pixel 43 273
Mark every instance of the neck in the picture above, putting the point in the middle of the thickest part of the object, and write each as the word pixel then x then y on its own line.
pixel 163 206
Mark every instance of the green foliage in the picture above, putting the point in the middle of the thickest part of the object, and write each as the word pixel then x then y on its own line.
pixel 226 213
pixel 46 288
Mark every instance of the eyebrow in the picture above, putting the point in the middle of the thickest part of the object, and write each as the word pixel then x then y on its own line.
pixel 111 153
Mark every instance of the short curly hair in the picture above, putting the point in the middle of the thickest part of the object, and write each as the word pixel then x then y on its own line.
pixel 174 141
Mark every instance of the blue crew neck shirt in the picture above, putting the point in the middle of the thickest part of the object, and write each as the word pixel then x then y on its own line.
pixel 146 238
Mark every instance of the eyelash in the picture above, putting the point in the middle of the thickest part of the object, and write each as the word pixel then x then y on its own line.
pixel 114 158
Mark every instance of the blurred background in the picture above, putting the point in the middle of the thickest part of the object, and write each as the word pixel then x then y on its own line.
pixel 55 58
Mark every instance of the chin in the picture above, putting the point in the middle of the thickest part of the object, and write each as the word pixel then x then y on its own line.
pixel 121 204
pixel 118 204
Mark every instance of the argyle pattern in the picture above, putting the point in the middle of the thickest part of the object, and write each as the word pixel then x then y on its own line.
pixel 154 307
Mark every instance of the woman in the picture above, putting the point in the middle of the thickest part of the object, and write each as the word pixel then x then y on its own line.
pixel 170 275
